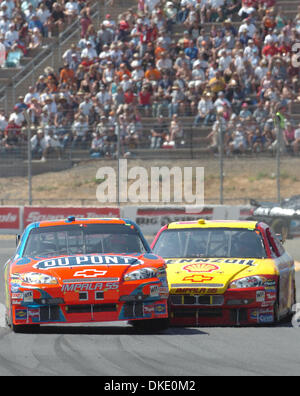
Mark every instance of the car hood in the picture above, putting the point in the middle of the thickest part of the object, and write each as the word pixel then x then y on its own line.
pixel 208 273
pixel 83 267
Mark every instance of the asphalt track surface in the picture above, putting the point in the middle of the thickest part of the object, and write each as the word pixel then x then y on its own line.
pixel 114 349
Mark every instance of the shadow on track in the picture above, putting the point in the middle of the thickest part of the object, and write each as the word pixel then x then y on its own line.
pixel 111 330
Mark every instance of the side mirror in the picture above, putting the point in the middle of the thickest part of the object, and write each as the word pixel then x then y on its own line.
pixel 18 237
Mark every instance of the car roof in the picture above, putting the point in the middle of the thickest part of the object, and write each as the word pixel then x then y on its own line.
pixel 73 220
pixel 201 223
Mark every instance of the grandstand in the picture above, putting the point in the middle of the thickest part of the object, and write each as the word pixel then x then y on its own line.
pixel 165 57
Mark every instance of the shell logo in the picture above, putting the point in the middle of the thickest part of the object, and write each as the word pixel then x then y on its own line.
pixel 201 267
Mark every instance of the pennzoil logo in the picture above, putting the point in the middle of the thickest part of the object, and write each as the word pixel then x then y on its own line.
pixel 201 267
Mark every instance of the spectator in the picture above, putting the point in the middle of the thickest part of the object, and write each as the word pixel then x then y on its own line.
pixel 158 133
pixel 296 143
pixel 97 146
pixel 80 130
pixel 145 100
pixel 206 110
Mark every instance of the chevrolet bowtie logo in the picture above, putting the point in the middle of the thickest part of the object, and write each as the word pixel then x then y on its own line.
pixel 90 273
pixel 198 278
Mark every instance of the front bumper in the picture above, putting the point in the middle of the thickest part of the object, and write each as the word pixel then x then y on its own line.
pixel 234 307
pixel 50 305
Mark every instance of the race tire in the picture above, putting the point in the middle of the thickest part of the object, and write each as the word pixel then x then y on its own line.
pixel 150 325
pixel 25 328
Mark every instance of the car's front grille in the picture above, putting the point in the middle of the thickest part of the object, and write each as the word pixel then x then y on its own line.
pixel 49 313
pixel 88 308
pixel 197 313
pixel 133 310
pixel 197 300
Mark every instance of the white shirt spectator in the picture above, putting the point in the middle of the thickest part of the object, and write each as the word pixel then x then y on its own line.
pixel 89 52
pixel 43 14
pixel 11 36
pixel 10 4
pixel 80 128
pixel 197 72
pixel 72 7
pixel 103 97
pixel 260 72
pixel 204 107
pixel 17 117
pixel 297 133
pixel 137 74
pixel 239 61
pixel 224 61
pixel 86 107
pixel 249 27
pixel 4 25
pixel 164 63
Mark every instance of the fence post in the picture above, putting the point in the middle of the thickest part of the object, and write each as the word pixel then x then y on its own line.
pixel 221 156
pixel 279 122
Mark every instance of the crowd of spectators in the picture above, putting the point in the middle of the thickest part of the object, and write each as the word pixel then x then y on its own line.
pixel 232 77
pixel 24 24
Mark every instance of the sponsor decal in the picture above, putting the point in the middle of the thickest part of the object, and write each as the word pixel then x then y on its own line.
pixel 14 287
pixel 212 261
pixel 86 260
pixel 154 291
pixel 160 309
pixel 148 309
pixel 271 296
pixel 17 296
pixel 262 315
pixel 201 267
pixel 28 296
pixel 21 314
pixel 34 313
pixel 260 296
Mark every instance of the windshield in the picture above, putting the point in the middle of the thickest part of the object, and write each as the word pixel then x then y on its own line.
pixel 213 242
pixel 83 238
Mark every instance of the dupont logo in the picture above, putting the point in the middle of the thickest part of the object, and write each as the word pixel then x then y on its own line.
pixel 201 267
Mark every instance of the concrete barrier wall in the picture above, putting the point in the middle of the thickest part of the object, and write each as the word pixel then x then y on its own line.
pixel 150 218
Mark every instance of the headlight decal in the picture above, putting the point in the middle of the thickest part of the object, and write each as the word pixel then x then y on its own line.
pixel 247 282
pixel 34 278
pixel 142 273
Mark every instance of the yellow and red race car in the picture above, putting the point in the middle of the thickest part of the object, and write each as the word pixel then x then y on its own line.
pixel 225 273
pixel 85 270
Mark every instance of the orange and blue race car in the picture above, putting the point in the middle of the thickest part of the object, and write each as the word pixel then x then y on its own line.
pixel 83 271
pixel 226 273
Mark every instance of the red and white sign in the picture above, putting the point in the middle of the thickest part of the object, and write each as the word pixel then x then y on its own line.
pixel 37 214
pixel 10 219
